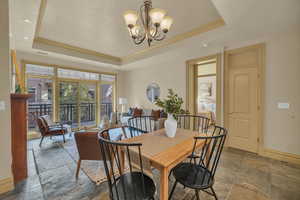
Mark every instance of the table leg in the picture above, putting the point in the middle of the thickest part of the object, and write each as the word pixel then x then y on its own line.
pixel 122 161
pixel 164 184
pixel 111 172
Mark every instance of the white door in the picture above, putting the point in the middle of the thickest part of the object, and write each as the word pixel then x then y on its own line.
pixel 242 97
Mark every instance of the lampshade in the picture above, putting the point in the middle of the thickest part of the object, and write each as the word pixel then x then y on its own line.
pixel 157 15
pixel 166 23
pixel 130 17
pixel 122 101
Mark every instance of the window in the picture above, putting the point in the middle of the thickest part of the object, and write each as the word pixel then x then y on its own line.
pixel 39 70
pixel 41 101
pixel 108 78
pixel 76 94
pixel 106 100
pixel 67 73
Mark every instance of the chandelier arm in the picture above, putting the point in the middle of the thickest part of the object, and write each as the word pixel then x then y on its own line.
pixel 139 41
pixel 130 31
pixel 144 33
pixel 158 34
pixel 160 39
pixel 155 33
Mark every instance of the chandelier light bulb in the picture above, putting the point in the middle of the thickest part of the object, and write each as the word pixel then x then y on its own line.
pixel 131 18
pixel 157 15
pixel 135 30
pixel 166 23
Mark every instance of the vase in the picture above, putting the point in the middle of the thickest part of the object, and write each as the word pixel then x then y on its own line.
pixel 170 126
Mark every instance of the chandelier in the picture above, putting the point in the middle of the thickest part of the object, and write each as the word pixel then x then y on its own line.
pixel 153 23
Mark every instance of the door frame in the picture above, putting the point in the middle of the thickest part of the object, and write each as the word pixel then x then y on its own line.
pixel 260 89
pixel 191 84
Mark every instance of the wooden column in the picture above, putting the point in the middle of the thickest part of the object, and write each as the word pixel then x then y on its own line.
pixel 19 136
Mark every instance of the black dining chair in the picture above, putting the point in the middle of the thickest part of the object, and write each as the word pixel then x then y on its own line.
pixel 193 122
pixel 140 125
pixel 199 175
pixel 197 123
pixel 131 183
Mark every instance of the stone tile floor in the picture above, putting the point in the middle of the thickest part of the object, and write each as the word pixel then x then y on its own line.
pixel 52 177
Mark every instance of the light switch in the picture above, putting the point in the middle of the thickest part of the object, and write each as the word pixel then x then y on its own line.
pixel 283 105
pixel 2 105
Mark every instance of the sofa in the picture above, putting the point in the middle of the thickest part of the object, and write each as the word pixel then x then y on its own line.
pixel 157 115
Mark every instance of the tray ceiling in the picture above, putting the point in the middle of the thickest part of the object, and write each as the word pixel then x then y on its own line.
pixel 96 27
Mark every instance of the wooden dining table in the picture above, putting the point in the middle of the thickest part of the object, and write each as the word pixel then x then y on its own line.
pixel 164 153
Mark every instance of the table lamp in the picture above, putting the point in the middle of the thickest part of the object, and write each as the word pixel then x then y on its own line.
pixel 123 101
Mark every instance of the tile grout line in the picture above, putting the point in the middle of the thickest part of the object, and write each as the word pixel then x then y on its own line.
pixel 38 173
pixel 73 159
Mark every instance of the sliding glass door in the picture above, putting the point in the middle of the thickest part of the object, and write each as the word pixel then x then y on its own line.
pixel 69 103
pixel 76 97
pixel 40 103
pixel 77 103
pixel 106 99
pixel 88 104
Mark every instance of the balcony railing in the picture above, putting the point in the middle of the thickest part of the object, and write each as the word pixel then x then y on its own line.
pixel 68 112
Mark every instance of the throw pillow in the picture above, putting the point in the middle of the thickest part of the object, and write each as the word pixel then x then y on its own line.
pixel 137 112
pixel 155 114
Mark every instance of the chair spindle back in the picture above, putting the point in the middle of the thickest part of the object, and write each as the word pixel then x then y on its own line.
pixel 140 125
pixel 211 149
pixel 115 162
pixel 193 122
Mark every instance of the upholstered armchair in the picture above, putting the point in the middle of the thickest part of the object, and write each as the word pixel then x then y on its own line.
pixel 47 130
pixel 88 146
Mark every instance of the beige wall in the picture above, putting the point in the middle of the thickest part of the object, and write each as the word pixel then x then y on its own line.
pixel 5 132
pixel 281 82
pixel 167 70
pixel 283 85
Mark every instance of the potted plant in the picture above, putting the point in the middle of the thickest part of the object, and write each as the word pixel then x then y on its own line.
pixel 172 106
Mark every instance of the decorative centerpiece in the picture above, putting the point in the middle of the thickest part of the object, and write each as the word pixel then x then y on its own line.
pixel 172 106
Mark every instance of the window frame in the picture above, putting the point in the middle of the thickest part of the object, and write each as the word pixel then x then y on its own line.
pixel 56 80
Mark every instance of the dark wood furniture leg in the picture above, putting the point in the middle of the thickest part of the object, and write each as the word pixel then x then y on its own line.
pixel 78 168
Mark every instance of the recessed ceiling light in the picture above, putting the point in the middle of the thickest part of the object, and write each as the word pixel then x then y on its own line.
pixel 204 45
pixel 27 21
pixel 26 38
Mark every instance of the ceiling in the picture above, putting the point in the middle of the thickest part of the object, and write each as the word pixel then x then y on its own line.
pixel 95 31
pixel 99 26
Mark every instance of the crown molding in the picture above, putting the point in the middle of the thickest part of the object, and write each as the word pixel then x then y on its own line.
pixel 51 45
pixel 41 15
